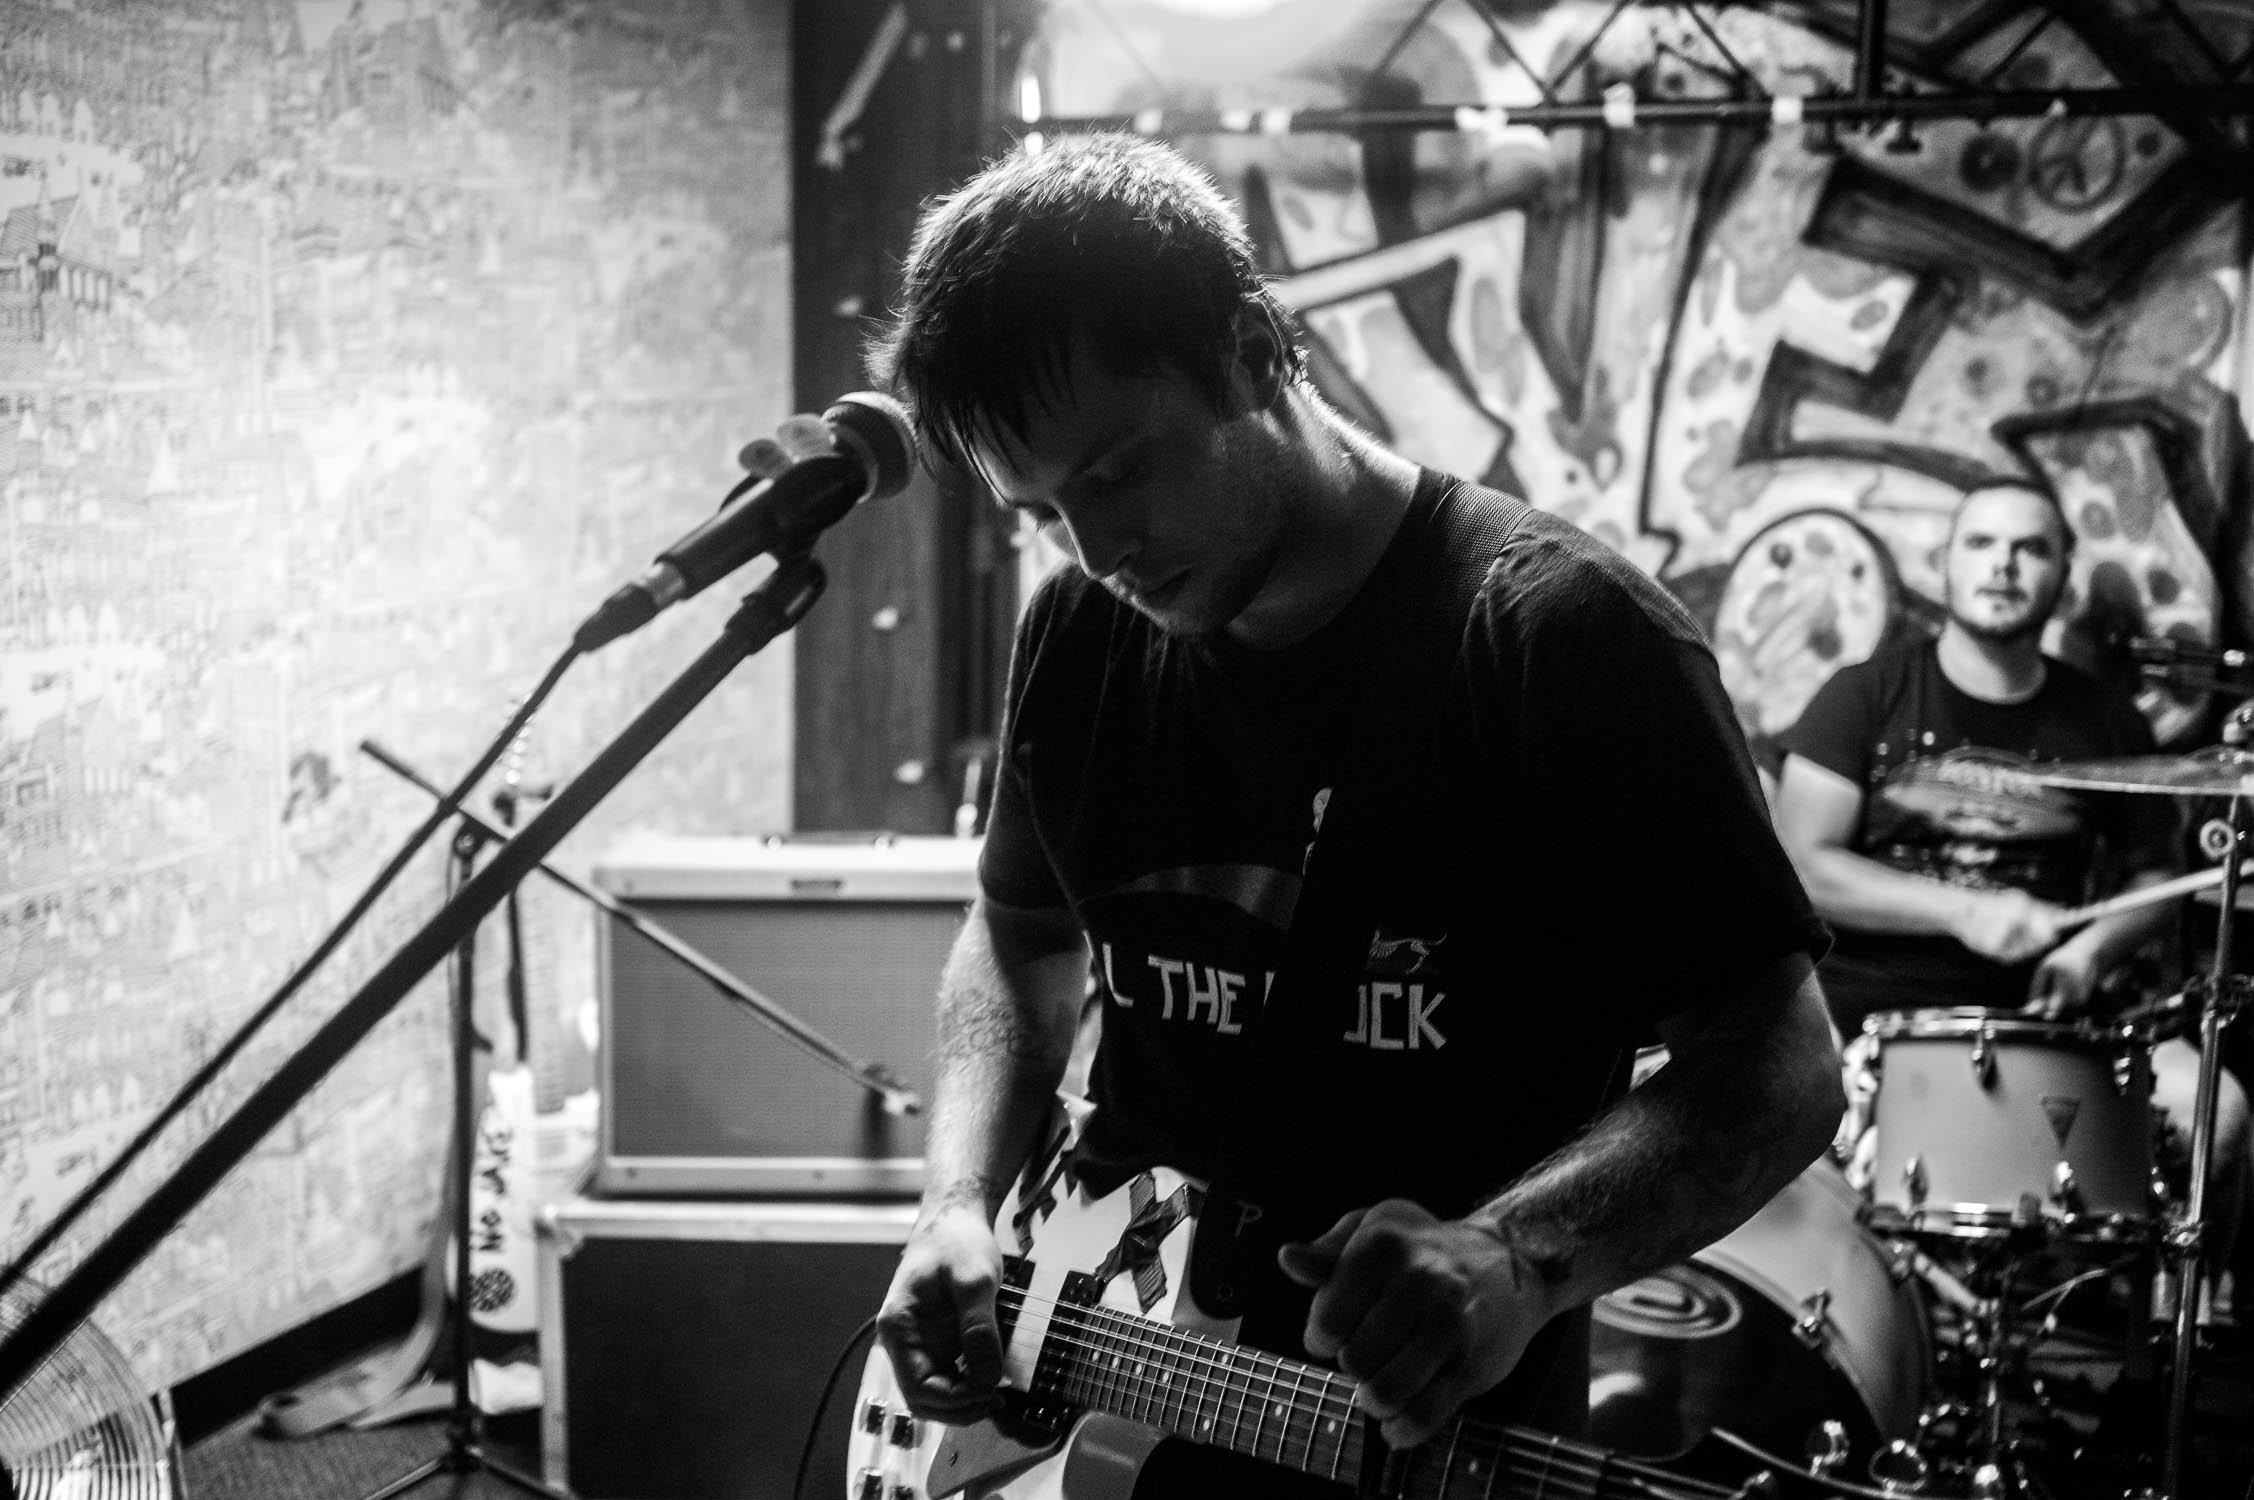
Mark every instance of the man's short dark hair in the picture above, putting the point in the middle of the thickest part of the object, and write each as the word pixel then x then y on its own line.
pixel 2025 484
pixel 1113 238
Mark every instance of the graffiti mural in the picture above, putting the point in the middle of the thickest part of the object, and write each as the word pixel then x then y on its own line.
pixel 1762 363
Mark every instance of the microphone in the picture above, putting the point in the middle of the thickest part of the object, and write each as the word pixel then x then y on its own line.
pixel 871 452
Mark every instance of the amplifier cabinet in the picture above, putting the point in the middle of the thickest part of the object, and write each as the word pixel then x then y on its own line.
pixel 684 1345
pixel 699 1094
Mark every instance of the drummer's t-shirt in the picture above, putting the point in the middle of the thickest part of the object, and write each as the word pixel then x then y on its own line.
pixel 1948 794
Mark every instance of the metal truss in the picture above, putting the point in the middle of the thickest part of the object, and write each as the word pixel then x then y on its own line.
pixel 2170 66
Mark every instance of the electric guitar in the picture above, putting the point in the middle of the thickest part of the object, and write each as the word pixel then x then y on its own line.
pixel 1106 1353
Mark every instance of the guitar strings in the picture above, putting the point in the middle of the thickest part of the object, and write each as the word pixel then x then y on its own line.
pixel 1548 1458
pixel 1541 1459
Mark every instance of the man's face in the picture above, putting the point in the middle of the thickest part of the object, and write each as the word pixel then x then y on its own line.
pixel 2006 565
pixel 1174 507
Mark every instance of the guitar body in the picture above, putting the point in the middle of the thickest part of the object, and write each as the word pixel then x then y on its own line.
pixel 1135 1240
pixel 1097 1458
pixel 1106 1353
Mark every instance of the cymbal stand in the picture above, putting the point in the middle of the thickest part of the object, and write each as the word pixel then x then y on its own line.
pixel 2183 1245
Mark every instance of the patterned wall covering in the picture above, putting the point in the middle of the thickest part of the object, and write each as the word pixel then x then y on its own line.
pixel 350 351
pixel 1763 364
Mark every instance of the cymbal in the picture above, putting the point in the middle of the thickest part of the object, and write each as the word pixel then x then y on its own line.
pixel 2217 771
pixel 2213 896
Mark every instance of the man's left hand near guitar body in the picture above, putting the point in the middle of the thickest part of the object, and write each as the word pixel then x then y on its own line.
pixel 1423 1312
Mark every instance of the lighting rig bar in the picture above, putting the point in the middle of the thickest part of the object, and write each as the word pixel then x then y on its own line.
pixel 1623 111
pixel 2227 93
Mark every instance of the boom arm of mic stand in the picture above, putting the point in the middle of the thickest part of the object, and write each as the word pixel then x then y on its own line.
pixel 878 1079
pixel 781 601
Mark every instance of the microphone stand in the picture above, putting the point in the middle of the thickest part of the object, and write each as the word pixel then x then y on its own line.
pixel 779 602
pixel 465 1424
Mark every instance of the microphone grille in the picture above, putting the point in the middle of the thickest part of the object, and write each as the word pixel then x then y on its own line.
pixel 878 426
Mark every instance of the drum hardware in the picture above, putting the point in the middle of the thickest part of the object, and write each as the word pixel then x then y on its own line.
pixel 1813 1325
pixel 2225 770
pixel 2219 771
pixel 1943 1282
pixel 2005 1128
pixel 2065 1192
pixel 1826 1449
pixel 1900 1468
pixel 2235 992
pixel 1972 1435
pixel 1797 1321
pixel 1995 1338
pixel 1900 1458
pixel 2209 898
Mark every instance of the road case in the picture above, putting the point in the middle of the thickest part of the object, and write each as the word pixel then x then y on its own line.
pixel 684 1344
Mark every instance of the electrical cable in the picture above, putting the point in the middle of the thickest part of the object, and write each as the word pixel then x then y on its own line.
pixel 865 1333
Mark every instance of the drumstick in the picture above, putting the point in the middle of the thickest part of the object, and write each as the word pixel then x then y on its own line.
pixel 2145 895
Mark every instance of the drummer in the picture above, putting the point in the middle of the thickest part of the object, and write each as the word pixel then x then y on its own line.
pixel 1947 872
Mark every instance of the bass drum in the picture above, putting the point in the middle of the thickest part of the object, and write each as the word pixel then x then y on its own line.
pixel 1797 1319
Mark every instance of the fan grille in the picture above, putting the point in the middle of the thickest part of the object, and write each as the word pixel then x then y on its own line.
pixel 82 1427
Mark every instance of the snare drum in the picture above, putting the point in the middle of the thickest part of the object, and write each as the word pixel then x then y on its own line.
pixel 1985 1123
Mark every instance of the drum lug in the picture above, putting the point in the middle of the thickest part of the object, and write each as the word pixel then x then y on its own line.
pixel 1900 1469
pixel 1813 1325
pixel 2065 1191
pixel 2124 1072
pixel 1983 1057
pixel 1914 1181
pixel 1826 1448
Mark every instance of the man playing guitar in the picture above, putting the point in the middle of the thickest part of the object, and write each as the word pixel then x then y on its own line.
pixel 1342 788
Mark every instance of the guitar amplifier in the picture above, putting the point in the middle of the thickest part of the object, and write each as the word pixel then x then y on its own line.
pixel 847 939
pixel 685 1345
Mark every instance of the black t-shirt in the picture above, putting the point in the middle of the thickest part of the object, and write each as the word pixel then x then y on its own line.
pixel 1573 844
pixel 1947 794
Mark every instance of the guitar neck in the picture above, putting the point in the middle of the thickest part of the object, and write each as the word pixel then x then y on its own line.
pixel 1301 1416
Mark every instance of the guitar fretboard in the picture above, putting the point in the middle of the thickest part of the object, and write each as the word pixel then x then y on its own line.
pixel 1300 1416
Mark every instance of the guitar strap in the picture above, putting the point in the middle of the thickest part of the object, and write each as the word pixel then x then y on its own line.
pixel 1385 735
